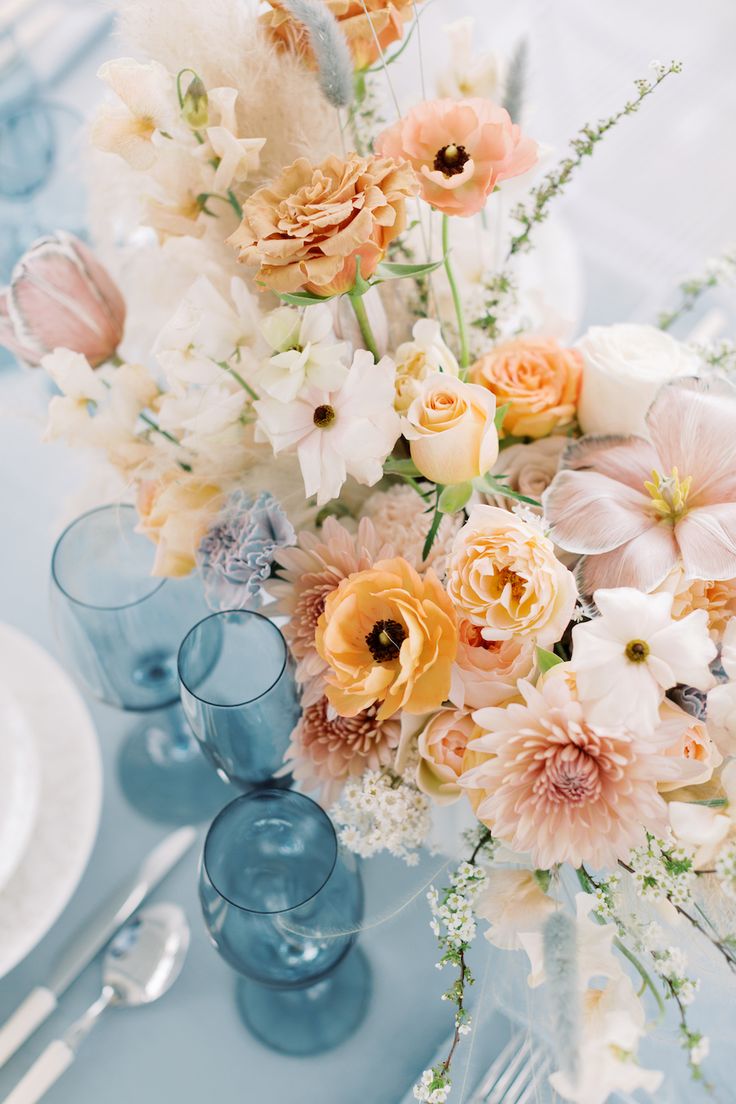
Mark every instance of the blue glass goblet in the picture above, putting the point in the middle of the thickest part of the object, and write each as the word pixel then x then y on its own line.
pixel 283 903
pixel 238 693
pixel 120 629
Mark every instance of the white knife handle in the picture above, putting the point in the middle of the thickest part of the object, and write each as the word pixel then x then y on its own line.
pixel 37 1007
pixel 47 1069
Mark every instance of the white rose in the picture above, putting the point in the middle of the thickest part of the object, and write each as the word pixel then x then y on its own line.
pixel 624 367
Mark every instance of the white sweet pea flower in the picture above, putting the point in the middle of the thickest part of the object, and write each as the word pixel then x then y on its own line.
pixel 469 73
pixel 238 158
pixel 306 353
pixel 627 658
pixel 179 179
pixel 148 105
pixel 512 901
pixel 613 1024
pixel 349 431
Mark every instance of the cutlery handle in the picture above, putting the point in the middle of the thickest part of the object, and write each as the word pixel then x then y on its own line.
pixel 29 1015
pixel 47 1069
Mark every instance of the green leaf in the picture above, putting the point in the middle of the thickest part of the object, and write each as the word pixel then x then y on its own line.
pixel 543 879
pixel 491 483
pixel 400 467
pixel 454 497
pixel 389 270
pixel 546 660
pixel 711 802
pixel 302 298
pixel 501 414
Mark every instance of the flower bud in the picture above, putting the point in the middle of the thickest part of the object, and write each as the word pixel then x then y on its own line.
pixel 195 104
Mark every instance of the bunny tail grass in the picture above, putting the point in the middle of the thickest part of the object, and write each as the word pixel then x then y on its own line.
pixel 561 968
pixel 330 50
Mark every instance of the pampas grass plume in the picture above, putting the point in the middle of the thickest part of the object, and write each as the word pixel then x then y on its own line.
pixel 330 50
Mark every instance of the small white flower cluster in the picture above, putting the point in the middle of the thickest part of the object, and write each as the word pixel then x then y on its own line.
pixel 383 811
pixel 663 869
pixel 726 869
pixel 433 1087
pixel 607 895
pixel 453 920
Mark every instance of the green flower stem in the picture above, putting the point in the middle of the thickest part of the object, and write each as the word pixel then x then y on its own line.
pixel 238 378
pixel 457 302
pixel 365 327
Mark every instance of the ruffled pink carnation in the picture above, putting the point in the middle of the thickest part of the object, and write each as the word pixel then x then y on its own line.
pixel 460 150
pixel 401 519
pixel 562 789
pixel 308 574
pixel 327 749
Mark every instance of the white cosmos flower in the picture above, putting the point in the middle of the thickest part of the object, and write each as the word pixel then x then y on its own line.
pixel 306 353
pixel 613 1024
pixel 349 431
pixel 625 659
pixel 148 106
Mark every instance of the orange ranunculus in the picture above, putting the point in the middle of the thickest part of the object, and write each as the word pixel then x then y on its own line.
pixel 176 512
pixel 460 150
pixel 368 25
pixel 388 635
pixel 307 228
pixel 537 378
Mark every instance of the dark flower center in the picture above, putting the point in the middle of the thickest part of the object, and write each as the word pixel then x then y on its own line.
pixel 385 639
pixel 451 159
pixel 324 416
pixel 637 651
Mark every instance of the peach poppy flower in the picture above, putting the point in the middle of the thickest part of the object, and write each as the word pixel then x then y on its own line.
pixel 388 635
pixel 307 228
pixel 369 26
pixel 537 378
pixel 635 509
pixel 460 150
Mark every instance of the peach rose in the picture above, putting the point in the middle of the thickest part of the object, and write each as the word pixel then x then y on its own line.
pixel 693 744
pixel 504 577
pixel 460 150
pixel 441 745
pixel 368 25
pixel 538 378
pixel 486 672
pixel 716 597
pixel 450 429
pixel 471 759
pixel 175 512
pixel 307 228
pixel 388 635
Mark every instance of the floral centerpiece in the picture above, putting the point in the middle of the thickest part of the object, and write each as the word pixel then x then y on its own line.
pixel 508 564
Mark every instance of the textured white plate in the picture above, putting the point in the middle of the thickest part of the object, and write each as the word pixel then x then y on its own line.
pixel 19 782
pixel 69 797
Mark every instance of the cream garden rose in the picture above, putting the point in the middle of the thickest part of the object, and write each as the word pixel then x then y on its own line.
pixel 504 577
pixel 623 368
pixel 450 429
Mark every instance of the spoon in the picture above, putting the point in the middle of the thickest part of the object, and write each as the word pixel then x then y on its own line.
pixel 141 963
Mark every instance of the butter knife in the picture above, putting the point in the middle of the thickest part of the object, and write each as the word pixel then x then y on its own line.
pixel 94 933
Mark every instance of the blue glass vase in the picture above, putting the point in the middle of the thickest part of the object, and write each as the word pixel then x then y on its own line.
pixel 120 630
pixel 239 694
pixel 283 903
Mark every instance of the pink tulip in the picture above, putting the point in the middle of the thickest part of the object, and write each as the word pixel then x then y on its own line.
pixel 635 509
pixel 61 296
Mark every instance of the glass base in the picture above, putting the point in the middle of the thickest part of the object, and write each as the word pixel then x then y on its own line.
pixel 164 774
pixel 311 1020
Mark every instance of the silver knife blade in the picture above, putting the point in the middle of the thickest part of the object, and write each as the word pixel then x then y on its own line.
pixel 99 928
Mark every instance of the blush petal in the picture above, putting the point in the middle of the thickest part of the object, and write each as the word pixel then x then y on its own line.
pixel 707 540
pixel 628 460
pixel 642 563
pixel 590 513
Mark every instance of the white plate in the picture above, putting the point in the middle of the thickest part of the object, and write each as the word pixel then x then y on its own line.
pixel 69 799
pixel 20 777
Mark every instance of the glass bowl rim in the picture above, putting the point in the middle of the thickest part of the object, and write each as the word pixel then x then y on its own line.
pixel 280 795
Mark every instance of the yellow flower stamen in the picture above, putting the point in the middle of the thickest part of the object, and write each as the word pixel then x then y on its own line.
pixel 669 494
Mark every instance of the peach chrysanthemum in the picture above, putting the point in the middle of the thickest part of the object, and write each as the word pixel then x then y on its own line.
pixel 309 573
pixel 562 789
pixel 400 517
pixel 327 749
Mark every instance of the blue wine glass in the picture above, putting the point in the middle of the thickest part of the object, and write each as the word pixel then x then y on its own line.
pixel 239 694
pixel 120 628
pixel 282 904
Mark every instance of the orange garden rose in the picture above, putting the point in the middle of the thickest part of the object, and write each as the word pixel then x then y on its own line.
pixel 538 378
pixel 307 228
pixel 460 150
pixel 175 512
pixel 368 25
pixel 388 635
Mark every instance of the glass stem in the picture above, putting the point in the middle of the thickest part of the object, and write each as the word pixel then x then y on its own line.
pixel 365 327
pixel 457 302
